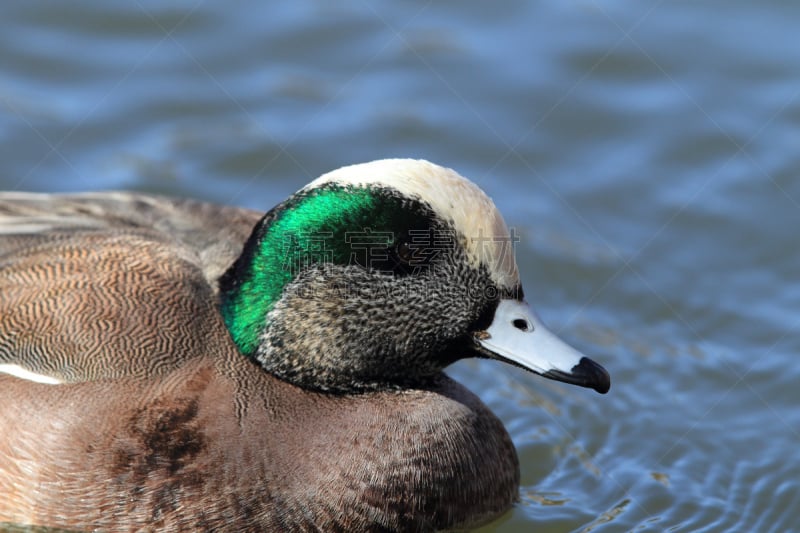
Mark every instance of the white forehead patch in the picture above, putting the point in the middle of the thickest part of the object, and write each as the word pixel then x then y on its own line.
pixel 452 197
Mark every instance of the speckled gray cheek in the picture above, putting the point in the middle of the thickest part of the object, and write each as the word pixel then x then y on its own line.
pixel 344 328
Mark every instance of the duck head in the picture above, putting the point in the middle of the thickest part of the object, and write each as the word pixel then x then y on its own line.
pixel 377 276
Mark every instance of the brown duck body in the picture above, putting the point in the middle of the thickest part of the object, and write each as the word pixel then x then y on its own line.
pixel 181 453
pixel 161 423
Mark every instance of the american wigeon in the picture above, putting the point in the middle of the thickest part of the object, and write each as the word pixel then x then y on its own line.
pixel 177 365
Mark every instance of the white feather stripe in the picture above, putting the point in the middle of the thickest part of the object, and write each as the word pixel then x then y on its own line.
pixel 22 373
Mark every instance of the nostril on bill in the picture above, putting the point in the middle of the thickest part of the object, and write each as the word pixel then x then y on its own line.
pixel 521 324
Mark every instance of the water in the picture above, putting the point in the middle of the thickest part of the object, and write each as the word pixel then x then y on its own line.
pixel 646 152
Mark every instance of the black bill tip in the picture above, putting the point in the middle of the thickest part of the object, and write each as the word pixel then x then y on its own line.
pixel 586 373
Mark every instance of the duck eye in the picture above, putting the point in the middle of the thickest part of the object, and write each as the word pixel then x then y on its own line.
pixel 404 252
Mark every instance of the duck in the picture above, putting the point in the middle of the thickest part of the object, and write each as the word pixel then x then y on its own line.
pixel 178 365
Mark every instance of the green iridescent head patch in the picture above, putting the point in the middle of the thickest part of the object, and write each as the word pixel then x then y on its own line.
pixel 330 224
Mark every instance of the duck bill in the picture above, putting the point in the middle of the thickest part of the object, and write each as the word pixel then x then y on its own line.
pixel 517 336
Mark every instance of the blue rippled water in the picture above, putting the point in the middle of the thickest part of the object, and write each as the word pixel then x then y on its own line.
pixel 646 151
